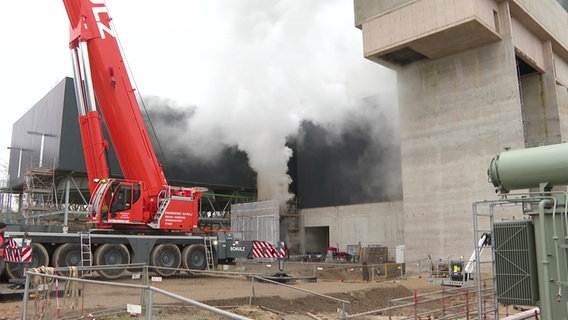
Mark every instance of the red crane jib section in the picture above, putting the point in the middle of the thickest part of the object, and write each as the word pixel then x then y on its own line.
pixel 150 201
pixel 94 146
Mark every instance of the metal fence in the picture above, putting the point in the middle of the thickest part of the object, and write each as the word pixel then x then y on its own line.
pixel 63 293
pixel 55 293
pixel 448 303
pixel 78 293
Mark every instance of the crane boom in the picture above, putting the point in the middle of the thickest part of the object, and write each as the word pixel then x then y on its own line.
pixel 91 24
pixel 143 199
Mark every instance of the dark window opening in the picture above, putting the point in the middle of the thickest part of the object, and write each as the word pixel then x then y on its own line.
pixel 403 56
pixel 524 68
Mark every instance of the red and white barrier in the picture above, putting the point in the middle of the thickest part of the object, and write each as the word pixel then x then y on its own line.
pixel 264 249
pixel 17 250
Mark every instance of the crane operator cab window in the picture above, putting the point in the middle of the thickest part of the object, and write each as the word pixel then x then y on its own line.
pixel 107 200
pixel 118 197
pixel 123 198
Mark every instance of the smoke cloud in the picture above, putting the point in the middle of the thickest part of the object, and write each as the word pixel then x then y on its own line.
pixel 274 65
pixel 353 161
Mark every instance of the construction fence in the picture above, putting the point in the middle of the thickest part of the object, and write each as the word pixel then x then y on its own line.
pixel 448 303
pixel 77 293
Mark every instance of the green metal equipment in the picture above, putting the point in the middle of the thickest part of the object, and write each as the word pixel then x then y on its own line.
pixel 546 211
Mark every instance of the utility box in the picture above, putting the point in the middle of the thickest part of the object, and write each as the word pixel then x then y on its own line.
pixel 400 253
pixel 515 262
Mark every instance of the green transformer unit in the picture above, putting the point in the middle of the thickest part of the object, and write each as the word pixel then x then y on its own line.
pixel 533 253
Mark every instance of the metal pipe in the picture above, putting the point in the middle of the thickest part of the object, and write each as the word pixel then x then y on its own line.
pixel 252 293
pixel 529 314
pixel 556 246
pixel 200 305
pixel 149 305
pixel 41 150
pixel 86 67
pixel 300 289
pixel 477 265
pixel 546 301
pixel 20 163
pixel 26 298
pixel 79 93
pixel 66 210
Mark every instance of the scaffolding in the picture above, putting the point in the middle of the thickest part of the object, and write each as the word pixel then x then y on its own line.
pixel 38 194
pixel 7 213
pixel 291 221
pixel 291 217
pixel 47 197
pixel 215 209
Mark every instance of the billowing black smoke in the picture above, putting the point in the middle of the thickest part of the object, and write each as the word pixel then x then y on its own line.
pixel 353 161
pixel 218 165
pixel 356 162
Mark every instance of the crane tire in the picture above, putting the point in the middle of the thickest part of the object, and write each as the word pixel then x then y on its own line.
pixel 67 255
pixel 110 254
pixel 193 257
pixel 167 258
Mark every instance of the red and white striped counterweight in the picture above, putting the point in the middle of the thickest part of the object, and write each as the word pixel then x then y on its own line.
pixel 18 250
pixel 264 249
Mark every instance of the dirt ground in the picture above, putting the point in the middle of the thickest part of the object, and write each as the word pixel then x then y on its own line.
pixel 233 295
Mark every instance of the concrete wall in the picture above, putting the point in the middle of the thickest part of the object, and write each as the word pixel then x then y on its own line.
pixel 456 114
pixel 561 69
pixel 420 19
pixel 459 110
pixel 368 224
pixel 547 14
pixel 540 110
pixel 528 43
pixel 562 95
pixel 367 9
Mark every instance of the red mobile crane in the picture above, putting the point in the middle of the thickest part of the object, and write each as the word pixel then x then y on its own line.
pixel 135 216
pixel 143 199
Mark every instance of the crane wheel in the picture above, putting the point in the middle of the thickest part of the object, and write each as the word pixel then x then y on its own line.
pixel 193 257
pixel 40 257
pixel 110 254
pixel 67 255
pixel 166 258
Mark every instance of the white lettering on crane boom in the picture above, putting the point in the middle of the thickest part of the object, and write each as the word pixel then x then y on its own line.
pixel 102 27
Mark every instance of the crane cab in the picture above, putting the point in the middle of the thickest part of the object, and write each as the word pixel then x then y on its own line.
pixel 121 202
pixel 117 201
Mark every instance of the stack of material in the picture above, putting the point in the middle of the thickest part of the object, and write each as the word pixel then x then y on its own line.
pixel 374 254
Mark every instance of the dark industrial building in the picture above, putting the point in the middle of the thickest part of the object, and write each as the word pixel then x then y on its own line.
pixel 47 163
pixel 355 163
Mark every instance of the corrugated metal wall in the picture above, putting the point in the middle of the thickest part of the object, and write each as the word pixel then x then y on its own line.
pixel 256 221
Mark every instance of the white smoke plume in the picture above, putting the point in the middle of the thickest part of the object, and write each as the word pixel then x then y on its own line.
pixel 277 63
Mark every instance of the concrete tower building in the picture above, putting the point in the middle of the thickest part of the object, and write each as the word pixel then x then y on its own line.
pixel 475 77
